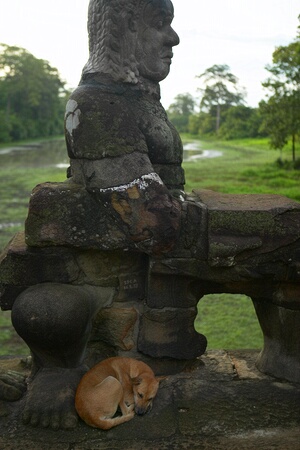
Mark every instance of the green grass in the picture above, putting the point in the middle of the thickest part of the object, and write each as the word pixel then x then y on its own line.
pixel 10 342
pixel 248 169
pixel 246 166
pixel 228 322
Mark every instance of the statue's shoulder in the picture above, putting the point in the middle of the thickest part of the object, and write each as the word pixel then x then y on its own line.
pixel 97 96
pixel 106 122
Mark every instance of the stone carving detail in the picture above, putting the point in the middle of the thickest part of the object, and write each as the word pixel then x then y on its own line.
pixel 116 258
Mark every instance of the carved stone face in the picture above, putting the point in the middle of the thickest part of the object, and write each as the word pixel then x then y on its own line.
pixel 155 39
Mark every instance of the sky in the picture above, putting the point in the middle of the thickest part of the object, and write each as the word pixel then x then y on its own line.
pixel 240 33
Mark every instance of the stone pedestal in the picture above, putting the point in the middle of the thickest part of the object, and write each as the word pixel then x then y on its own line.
pixel 247 244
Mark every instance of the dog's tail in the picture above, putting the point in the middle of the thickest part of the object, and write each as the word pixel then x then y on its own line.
pixel 107 423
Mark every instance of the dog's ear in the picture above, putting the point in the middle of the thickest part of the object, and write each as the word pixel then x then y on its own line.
pixel 136 381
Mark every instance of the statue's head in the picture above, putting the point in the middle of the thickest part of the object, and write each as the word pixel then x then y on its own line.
pixel 129 39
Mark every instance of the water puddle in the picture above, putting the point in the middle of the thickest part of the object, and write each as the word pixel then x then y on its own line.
pixel 4 226
pixel 193 151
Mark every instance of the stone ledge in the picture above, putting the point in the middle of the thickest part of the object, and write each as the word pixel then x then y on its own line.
pixel 221 402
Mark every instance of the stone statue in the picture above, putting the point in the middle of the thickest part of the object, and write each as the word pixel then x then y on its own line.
pixel 127 155
pixel 117 257
pixel 121 145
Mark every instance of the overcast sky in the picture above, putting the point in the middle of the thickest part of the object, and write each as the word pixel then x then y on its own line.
pixel 240 33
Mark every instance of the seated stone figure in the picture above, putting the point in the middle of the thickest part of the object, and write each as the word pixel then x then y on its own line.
pixel 121 145
pixel 128 156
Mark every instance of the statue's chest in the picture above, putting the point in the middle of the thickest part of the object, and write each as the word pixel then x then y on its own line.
pixel 163 142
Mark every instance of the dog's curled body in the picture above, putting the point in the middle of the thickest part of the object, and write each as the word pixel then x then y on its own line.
pixel 115 382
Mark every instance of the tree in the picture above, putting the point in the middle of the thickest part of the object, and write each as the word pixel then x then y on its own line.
pixel 180 111
pixel 31 94
pixel 281 111
pixel 221 91
pixel 240 122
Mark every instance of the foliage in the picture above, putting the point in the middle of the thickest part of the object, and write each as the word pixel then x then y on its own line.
pixel 32 96
pixel 281 112
pixel 237 122
pixel 202 123
pixel 221 91
pixel 180 111
pixel 240 122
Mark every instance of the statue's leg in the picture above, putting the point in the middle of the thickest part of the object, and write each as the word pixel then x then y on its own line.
pixel 280 356
pixel 167 325
pixel 55 321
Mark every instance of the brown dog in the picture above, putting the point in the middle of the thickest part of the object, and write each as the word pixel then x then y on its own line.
pixel 123 382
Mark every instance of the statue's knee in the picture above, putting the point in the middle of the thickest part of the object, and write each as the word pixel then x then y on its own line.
pixel 50 311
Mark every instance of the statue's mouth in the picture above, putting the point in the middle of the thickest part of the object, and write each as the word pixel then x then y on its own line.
pixel 167 56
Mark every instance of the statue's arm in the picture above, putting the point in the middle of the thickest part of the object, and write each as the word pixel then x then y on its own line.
pixel 135 196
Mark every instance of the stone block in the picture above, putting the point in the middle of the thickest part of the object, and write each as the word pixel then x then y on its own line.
pixel 115 327
pixel 248 224
pixel 172 291
pixel 23 266
pixel 170 333
pixel 66 214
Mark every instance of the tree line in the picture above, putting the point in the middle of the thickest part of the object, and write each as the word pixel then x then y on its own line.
pixel 32 96
pixel 222 110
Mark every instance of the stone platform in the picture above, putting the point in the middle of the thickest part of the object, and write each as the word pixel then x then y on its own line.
pixel 221 402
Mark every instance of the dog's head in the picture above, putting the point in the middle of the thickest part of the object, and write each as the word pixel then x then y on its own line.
pixel 145 388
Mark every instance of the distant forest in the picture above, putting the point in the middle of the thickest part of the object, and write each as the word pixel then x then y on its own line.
pixel 222 112
pixel 32 96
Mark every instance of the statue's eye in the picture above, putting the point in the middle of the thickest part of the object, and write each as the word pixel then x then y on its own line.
pixel 159 25
pixel 140 395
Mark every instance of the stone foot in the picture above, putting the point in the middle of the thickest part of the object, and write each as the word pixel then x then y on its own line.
pixel 50 398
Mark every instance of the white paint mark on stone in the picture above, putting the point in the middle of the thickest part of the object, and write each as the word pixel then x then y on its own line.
pixel 72 116
pixel 142 182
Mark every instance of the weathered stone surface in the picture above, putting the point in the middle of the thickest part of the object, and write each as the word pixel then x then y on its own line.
pixel 65 214
pixel 23 266
pixel 125 270
pixel 100 174
pixel 248 224
pixel 172 291
pixel 281 329
pixel 21 263
pixel 115 327
pixel 170 332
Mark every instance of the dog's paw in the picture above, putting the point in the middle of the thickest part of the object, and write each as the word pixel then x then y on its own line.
pixel 131 413
pixel 129 407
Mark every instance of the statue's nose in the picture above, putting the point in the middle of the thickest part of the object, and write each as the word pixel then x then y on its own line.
pixel 173 38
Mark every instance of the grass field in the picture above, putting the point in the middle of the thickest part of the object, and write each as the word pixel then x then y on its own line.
pixel 246 166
